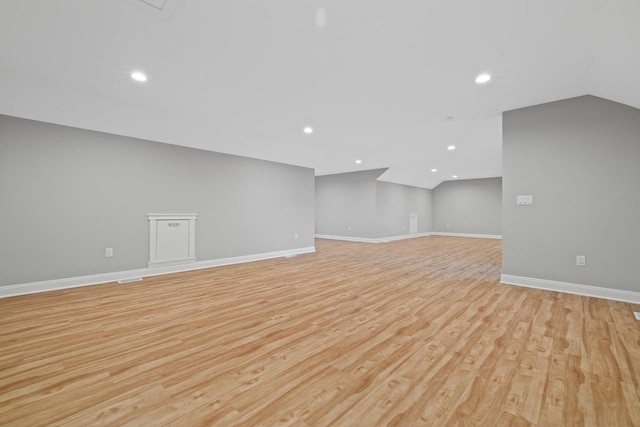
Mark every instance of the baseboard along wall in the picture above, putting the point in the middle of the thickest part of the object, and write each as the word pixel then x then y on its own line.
pixel 134 275
pixel 369 240
pixel 572 288
pixel 405 236
pixel 478 236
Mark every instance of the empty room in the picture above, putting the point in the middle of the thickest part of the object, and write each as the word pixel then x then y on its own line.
pixel 315 213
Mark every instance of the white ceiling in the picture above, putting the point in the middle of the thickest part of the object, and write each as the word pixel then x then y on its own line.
pixel 376 82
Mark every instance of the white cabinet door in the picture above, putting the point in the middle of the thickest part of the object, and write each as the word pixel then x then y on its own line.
pixel 173 240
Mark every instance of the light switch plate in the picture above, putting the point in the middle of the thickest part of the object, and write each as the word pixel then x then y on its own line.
pixel 524 200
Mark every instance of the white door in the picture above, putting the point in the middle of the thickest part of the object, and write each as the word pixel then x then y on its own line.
pixel 173 240
pixel 413 223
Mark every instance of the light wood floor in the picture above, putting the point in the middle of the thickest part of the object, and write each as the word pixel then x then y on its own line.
pixel 413 332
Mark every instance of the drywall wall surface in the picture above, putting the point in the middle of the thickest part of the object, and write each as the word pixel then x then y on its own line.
pixel 472 206
pixel 355 204
pixel 394 203
pixel 579 158
pixel 345 204
pixel 67 194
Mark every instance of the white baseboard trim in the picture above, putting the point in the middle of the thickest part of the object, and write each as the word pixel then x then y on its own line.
pixel 572 288
pixel 479 236
pixel 96 279
pixel 368 240
pixel 154 264
pixel 345 238
pixel 402 237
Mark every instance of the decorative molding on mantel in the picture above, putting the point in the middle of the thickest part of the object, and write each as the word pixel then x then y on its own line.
pixel 172 216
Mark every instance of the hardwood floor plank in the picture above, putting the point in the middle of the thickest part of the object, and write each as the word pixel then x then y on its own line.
pixel 413 332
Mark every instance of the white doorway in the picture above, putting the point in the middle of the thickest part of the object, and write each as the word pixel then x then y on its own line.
pixel 413 223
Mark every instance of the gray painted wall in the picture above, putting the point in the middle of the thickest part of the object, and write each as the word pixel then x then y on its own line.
pixel 580 159
pixel 68 193
pixel 394 203
pixel 371 208
pixel 468 206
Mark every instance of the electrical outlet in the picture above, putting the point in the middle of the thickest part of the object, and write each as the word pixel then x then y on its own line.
pixel 581 260
pixel 108 252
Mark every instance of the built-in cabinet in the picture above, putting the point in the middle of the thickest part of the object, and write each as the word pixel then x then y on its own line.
pixel 172 239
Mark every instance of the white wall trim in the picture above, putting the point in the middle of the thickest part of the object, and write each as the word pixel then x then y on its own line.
pixel 572 288
pixel 190 252
pixel 96 279
pixel 369 240
pixel 402 237
pixel 170 263
pixel 479 236
pixel 346 238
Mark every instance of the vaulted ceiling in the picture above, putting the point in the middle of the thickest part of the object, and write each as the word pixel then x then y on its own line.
pixel 390 83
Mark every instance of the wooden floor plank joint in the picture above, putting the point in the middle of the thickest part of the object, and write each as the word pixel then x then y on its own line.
pixel 411 332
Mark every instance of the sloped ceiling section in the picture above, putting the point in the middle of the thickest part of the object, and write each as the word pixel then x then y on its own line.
pixel 157 4
pixel 160 8
pixel 387 83
pixel 615 53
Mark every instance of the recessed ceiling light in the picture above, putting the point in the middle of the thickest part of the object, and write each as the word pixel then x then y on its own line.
pixel 434 170
pixel 139 76
pixel 451 147
pixel 483 78
pixel 308 130
pixel 455 176
pixel 358 161
pixel 321 18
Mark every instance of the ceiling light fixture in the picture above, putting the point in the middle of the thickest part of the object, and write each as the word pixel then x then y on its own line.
pixel 455 176
pixel 139 76
pixel 358 161
pixel 451 147
pixel 321 18
pixel 308 130
pixel 434 170
pixel 483 78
